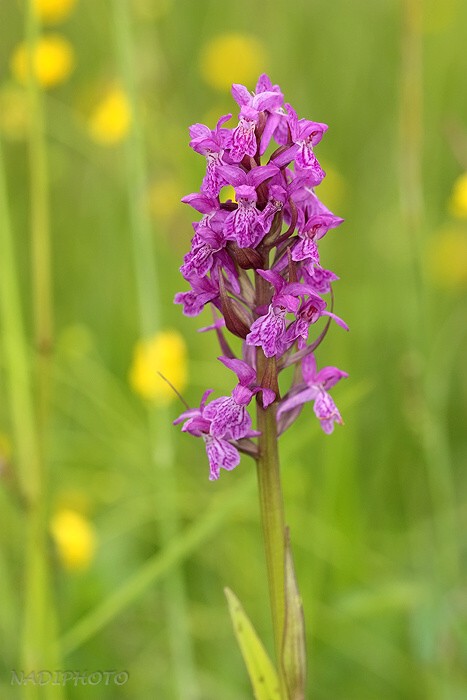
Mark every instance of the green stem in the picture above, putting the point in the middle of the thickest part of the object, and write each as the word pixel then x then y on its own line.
pixel 162 449
pixel 38 646
pixel 40 625
pixel 271 500
pixel 39 211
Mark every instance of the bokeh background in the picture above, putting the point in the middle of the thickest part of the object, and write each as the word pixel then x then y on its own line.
pixel 115 547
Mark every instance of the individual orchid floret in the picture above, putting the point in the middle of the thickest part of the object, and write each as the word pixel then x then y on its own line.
pixel 318 278
pixel 276 122
pixel 306 134
pixel 221 453
pixel 251 105
pixel 275 204
pixel 212 144
pixel 247 380
pixel 228 414
pixel 203 290
pixel 202 202
pixel 269 330
pixel 245 224
pixel 317 219
pixel 309 312
pixel 315 388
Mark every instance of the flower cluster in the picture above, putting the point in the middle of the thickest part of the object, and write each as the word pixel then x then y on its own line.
pixel 255 260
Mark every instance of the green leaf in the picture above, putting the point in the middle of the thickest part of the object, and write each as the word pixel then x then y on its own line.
pixel 262 673
pixel 294 645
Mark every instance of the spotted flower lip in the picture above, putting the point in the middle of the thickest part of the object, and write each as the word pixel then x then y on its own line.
pixel 256 259
pixel 221 453
pixel 245 224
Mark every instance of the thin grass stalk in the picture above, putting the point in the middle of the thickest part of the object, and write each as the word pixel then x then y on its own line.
pixel 37 647
pixel 39 223
pixel 433 436
pixel 161 443
pixel 412 205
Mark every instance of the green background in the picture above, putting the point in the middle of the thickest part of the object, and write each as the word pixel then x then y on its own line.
pixel 378 510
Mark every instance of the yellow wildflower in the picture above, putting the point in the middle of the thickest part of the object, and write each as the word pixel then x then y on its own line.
pixel 458 199
pixel 447 258
pixel 75 539
pixel 110 122
pixel 53 11
pixel 14 112
pixel 166 353
pixel 52 59
pixel 232 58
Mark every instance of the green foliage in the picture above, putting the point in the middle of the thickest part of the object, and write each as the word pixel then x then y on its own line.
pixel 293 657
pixel 262 673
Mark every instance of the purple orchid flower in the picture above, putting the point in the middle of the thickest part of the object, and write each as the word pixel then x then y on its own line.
pixel 271 231
pixel 205 252
pixel 305 134
pixel 204 290
pixel 316 218
pixel 212 144
pixel 318 278
pixel 276 122
pixel 277 199
pixel 221 453
pixel 269 330
pixel 228 414
pixel 251 105
pixel 315 388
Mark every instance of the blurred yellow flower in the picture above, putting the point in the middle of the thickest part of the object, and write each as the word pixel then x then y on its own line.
pixel 111 119
pixel 447 258
pixel 53 61
pixel 458 199
pixel 75 539
pixel 166 353
pixel 233 58
pixel 52 11
pixel 14 112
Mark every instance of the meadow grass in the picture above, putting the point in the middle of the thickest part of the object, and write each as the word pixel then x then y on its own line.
pixel 92 235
